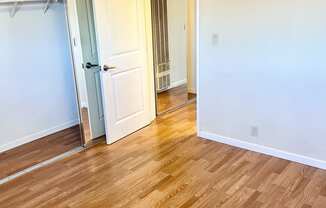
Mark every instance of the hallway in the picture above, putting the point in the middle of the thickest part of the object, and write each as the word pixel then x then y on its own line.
pixel 174 98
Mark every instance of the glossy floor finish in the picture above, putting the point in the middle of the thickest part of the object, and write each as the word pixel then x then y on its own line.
pixel 166 165
pixel 173 98
pixel 40 150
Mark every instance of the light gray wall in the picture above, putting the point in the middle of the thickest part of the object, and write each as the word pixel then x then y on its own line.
pixel 37 89
pixel 262 63
pixel 177 16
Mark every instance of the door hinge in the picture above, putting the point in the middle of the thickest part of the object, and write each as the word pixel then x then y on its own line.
pixel 74 42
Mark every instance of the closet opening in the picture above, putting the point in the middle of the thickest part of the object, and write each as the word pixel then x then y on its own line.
pixel 40 114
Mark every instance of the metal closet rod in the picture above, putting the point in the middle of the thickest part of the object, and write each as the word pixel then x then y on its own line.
pixel 28 1
pixel 16 3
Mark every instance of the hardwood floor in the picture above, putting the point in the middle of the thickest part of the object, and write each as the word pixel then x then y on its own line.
pixel 29 154
pixel 173 98
pixel 166 165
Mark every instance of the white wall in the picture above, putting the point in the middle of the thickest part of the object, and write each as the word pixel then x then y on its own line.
pixel 37 91
pixel 265 66
pixel 177 18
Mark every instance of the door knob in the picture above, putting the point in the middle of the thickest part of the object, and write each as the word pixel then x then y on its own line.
pixel 107 68
pixel 90 65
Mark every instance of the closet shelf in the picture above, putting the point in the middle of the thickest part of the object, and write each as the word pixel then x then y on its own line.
pixel 17 3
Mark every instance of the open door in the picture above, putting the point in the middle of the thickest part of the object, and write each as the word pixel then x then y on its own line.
pixel 90 67
pixel 121 36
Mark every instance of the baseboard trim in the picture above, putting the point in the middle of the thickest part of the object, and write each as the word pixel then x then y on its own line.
pixel 264 150
pixel 178 83
pixel 37 135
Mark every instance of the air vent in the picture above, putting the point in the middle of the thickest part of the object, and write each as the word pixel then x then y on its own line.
pixel 163 77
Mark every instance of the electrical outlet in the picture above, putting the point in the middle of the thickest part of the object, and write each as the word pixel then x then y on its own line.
pixel 254 131
pixel 215 39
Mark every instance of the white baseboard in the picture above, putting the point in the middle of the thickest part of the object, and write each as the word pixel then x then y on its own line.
pixel 37 135
pixel 265 150
pixel 178 83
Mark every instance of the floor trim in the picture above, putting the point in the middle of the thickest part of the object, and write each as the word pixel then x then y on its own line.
pixel 40 165
pixel 178 83
pixel 265 150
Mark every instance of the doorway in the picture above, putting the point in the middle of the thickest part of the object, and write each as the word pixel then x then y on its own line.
pixel 173 25
pixel 120 51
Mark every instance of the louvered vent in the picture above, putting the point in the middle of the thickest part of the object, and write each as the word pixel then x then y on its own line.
pixel 161 44
pixel 163 77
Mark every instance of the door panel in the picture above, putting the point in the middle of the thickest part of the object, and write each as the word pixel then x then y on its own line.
pixel 124 94
pixel 126 23
pixel 122 45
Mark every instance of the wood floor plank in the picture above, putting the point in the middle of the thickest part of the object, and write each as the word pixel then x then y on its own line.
pixel 27 155
pixel 167 165
pixel 173 98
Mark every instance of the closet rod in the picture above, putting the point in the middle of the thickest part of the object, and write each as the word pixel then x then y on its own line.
pixel 27 1
pixel 16 3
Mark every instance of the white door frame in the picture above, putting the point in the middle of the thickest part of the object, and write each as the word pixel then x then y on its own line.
pixel 197 26
pixel 77 54
pixel 150 57
pixel 77 60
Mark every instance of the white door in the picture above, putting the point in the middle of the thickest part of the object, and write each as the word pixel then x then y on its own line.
pixel 121 34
